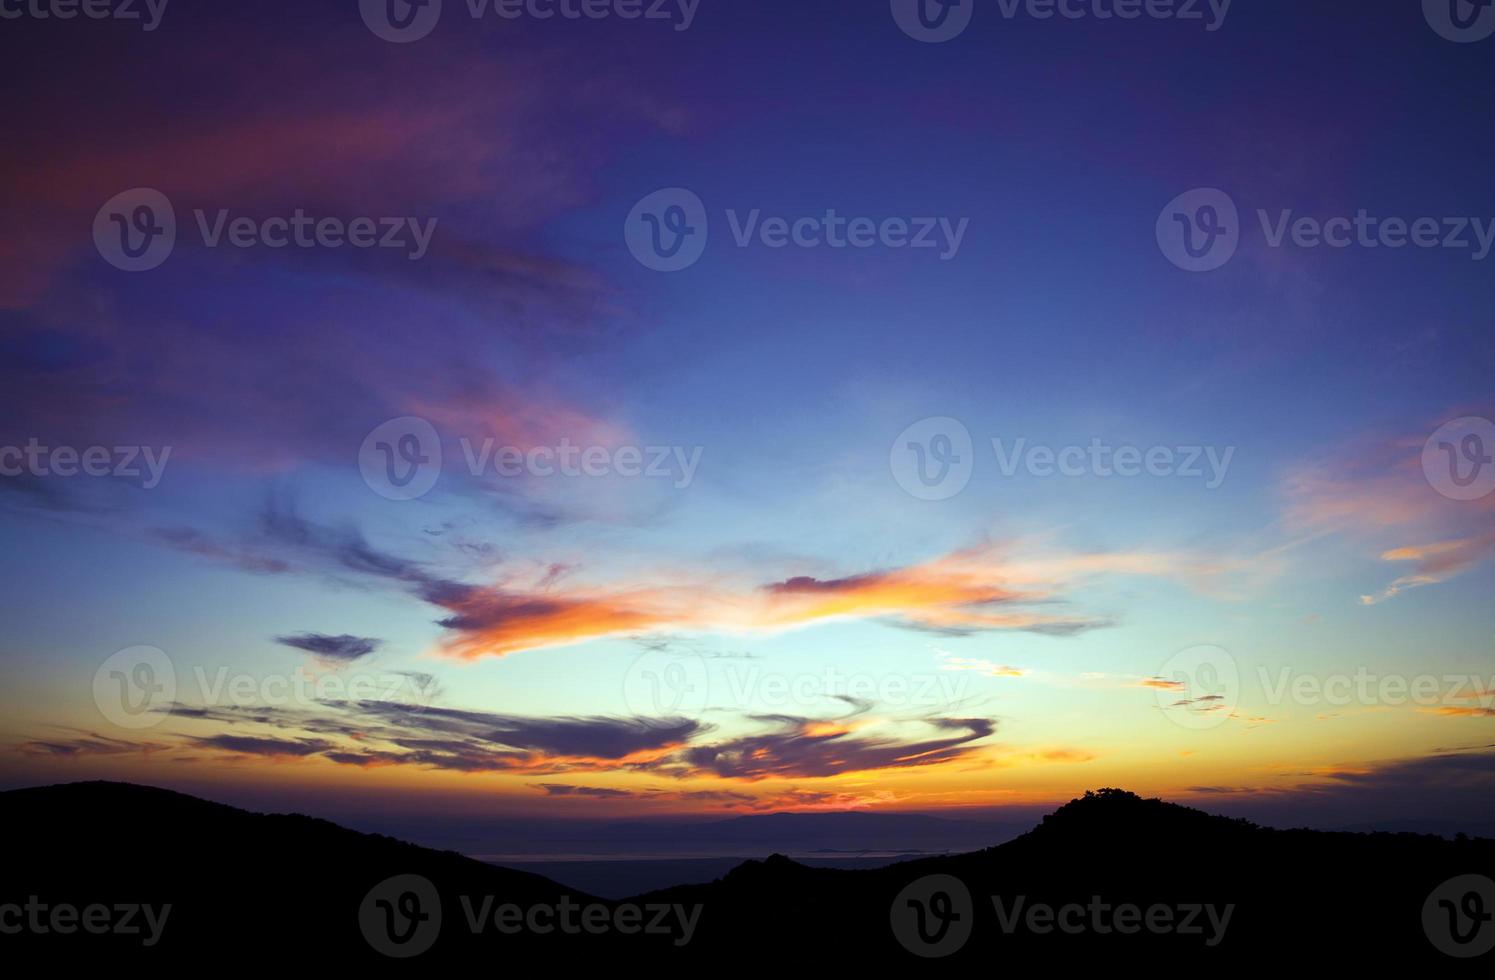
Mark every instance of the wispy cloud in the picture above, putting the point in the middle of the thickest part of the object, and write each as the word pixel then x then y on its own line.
pixel 1379 494
pixel 343 648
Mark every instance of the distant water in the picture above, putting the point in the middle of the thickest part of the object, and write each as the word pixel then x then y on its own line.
pixel 626 877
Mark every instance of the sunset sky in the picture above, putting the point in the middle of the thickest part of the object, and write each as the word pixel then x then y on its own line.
pixel 771 613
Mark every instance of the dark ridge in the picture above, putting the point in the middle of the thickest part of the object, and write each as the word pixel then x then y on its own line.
pixel 292 887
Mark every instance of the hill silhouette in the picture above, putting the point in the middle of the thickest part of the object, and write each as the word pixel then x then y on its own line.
pixel 1128 880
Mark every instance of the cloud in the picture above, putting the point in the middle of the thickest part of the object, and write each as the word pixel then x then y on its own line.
pixel 384 733
pixel 91 744
pixel 87 362
pixel 805 747
pixel 573 737
pixel 1434 563
pixel 271 747
pixel 975 590
pixel 372 734
pixel 1378 494
pixel 1437 772
pixel 980 666
pixel 595 792
pixel 969 591
pixel 1452 781
pixel 343 648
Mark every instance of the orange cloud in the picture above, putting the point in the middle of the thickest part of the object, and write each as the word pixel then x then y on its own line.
pixel 1435 563
pixel 1459 711
pixel 1382 490
pixel 973 590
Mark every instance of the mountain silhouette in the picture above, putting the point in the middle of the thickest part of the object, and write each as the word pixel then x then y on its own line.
pixel 1124 879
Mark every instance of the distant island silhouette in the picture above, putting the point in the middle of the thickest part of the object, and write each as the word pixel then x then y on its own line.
pixel 119 873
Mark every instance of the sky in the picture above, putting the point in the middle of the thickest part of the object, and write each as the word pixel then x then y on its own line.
pixel 750 406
